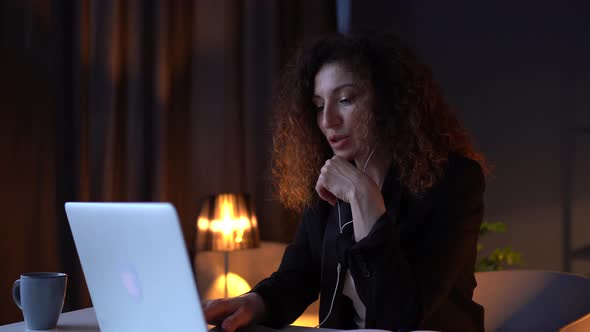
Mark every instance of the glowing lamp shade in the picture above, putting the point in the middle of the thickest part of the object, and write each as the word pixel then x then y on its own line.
pixel 227 222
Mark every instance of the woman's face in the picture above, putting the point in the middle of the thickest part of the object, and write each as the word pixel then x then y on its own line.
pixel 343 104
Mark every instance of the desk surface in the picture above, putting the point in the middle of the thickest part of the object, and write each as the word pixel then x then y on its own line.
pixel 74 321
pixel 85 321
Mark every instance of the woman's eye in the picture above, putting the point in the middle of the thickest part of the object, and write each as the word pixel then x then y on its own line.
pixel 319 108
pixel 345 101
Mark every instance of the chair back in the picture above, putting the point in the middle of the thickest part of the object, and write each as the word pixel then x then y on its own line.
pixel 581 325
pixel 521 300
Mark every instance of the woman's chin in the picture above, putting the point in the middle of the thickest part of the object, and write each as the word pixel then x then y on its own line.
pixel 346 155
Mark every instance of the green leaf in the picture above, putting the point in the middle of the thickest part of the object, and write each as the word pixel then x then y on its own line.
pixel 492 227
pixel 499 258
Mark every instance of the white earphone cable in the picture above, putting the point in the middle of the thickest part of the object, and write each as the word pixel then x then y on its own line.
pixel 339 267
pixel 369 158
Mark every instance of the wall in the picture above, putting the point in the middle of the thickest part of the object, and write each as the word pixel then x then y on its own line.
pixel 517 72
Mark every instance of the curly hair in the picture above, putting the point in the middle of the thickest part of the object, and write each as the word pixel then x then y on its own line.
pixel 410 116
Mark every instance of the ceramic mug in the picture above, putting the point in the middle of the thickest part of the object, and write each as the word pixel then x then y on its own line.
pixel 40 296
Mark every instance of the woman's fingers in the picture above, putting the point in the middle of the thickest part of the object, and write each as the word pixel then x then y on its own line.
pixel 241 317
pixel 342 166
pixel 324 193
pixel 336 180
pixel 235 312
pixel 215 311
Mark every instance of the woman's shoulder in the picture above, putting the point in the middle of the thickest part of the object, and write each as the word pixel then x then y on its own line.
pixel 459 174
pixel 458 163
pixel 463 171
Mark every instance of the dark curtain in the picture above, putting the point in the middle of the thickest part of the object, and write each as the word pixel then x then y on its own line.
pixel 154 100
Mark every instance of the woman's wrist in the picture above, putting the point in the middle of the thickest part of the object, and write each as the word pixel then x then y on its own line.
pixel 367 206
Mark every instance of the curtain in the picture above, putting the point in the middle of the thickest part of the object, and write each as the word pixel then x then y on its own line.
pixel 138 100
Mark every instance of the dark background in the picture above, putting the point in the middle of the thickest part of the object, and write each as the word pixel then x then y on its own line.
pixel 169 100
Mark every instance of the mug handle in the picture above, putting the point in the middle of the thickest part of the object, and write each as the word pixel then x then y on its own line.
pixel 16 293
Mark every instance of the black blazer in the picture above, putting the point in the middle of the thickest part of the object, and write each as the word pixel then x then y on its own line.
pixel 415 269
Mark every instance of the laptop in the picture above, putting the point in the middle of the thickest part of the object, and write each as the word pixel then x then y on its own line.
pixel 136 266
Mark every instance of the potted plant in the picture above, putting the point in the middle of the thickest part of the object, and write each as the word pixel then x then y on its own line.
pixel 499 258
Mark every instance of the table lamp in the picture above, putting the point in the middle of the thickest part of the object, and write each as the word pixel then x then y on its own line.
pixel 227 222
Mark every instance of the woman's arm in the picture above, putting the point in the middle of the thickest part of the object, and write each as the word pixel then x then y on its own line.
pixel 401 291
pixel 296 283
pixel 281 298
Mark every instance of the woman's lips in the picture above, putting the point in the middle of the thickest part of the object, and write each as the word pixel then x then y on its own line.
pixel 338 142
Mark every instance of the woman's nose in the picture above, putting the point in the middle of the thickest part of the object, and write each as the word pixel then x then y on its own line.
pixel 330 116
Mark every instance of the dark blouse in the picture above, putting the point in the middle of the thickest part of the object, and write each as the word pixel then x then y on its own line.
pixel 415 269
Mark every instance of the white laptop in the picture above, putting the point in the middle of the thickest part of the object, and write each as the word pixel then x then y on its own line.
pixel 136 266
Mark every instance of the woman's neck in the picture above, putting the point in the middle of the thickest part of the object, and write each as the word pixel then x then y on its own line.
pixel 375 164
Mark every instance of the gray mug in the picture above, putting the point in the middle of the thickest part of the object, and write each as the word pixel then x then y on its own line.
pixel 41 298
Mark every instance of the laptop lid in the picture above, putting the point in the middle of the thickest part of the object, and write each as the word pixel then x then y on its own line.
pixel 136 266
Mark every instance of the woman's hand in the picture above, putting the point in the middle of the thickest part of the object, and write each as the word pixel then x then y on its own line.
pixel 235 312
pixel 339 179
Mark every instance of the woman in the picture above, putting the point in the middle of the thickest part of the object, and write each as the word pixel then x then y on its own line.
pixel 388 236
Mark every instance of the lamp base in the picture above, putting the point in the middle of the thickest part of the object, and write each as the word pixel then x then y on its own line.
pixel 226 265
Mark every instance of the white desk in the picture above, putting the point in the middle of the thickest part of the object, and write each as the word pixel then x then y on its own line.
pixel 74 321
pixel 85 321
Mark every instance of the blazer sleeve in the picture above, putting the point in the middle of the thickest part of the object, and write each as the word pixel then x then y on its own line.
pixel 296 283
pixel 403 291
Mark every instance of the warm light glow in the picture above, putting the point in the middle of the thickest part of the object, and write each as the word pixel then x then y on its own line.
pixel 230 220
pixel 203 224
pixel 307 320
pixel 226 222
pixel 236 286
